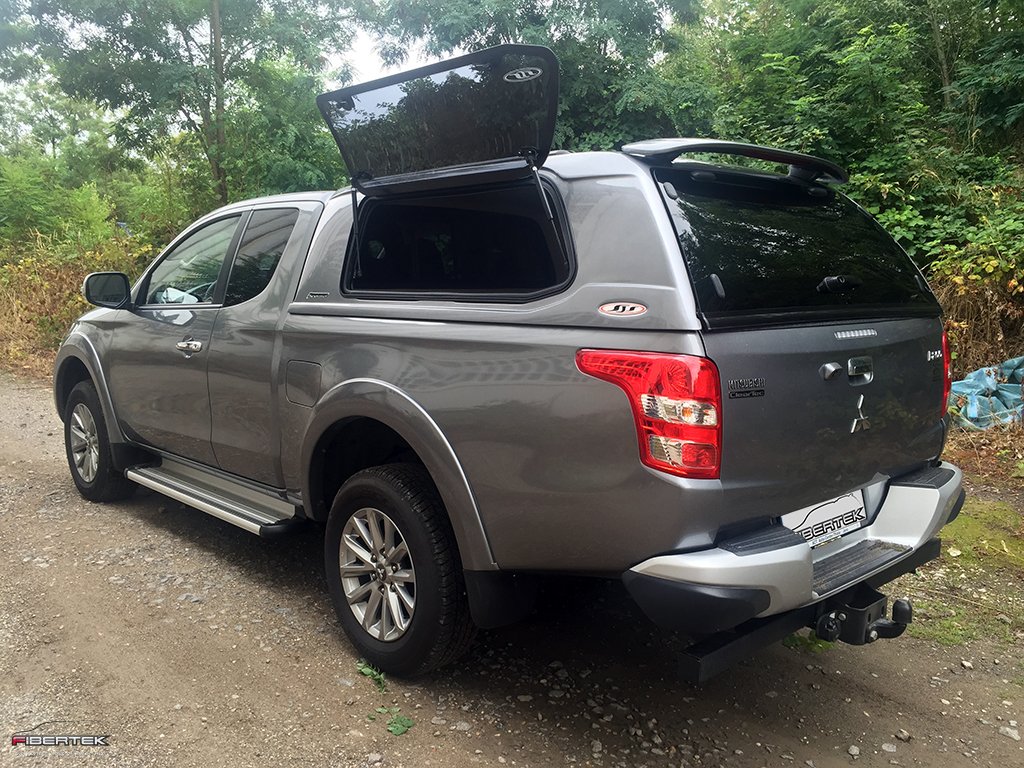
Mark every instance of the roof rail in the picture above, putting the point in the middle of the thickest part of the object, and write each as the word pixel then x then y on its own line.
pixel 801 166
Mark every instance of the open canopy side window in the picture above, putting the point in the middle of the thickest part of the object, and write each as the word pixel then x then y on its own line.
pixel 487 116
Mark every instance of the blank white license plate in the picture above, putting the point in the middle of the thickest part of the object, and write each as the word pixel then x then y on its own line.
pixel 824 522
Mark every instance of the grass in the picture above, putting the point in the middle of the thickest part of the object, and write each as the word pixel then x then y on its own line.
pixel 976 589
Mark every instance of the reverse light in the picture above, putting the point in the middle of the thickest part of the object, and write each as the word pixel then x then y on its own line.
pixel 676 402
pixel 947 375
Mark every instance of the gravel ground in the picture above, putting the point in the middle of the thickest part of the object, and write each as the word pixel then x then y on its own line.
pixel 192 643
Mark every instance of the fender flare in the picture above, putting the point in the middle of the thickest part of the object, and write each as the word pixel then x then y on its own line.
pixel 383 402
pixel 77 346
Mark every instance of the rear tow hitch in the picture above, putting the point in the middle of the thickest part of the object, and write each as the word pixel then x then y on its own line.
pixel 861 618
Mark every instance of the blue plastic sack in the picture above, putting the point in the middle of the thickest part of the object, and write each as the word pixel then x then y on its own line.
pixel 989 396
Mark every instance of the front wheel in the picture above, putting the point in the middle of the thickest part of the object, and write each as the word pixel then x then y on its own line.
pixel 394 572
pixel 88 448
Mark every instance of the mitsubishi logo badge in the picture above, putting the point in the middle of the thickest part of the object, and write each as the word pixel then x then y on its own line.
pixel 862 422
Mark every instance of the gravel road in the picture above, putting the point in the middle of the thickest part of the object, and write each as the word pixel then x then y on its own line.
pixel 193 643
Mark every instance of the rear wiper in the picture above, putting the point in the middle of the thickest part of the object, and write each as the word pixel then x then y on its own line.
pixel 710 291
pixel 839 284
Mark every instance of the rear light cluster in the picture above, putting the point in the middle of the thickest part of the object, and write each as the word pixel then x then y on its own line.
pixel 677 406
pixel 947 375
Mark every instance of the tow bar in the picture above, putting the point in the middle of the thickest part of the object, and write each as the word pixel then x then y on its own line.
pixel 856 616
pixel 862 619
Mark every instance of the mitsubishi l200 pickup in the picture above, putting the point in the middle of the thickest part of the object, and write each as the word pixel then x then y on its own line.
pixel 692 365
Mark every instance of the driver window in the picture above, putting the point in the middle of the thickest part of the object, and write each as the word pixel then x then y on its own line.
pixel 189 273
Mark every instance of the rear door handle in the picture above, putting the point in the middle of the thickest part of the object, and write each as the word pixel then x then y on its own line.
pixel 189 346
pixel 860 370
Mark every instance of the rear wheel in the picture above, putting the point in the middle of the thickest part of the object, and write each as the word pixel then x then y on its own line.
pixel 88 448
pixel 394 572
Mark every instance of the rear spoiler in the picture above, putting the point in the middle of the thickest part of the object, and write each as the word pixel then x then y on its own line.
pixel 801 166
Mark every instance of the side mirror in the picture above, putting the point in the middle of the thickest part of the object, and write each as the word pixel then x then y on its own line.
pixel 107 289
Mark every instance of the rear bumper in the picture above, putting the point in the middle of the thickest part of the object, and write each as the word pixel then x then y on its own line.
pixel 773 570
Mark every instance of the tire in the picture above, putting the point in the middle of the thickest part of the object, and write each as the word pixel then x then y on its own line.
pixel 88 448
pixel 420 620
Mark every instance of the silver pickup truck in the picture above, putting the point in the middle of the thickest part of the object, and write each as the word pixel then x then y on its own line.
pixel 488 363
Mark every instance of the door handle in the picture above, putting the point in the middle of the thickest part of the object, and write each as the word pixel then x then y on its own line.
pixel 189 346
pixel 860 370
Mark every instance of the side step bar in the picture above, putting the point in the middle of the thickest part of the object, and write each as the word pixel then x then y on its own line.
pixel 267 519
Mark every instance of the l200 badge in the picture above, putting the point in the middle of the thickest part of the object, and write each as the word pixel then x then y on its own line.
pixel 622 309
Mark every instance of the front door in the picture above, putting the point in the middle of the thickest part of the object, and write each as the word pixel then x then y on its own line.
pixel 158 358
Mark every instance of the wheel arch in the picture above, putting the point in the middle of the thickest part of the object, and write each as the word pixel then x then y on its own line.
pixel 386 413
pixel 78 361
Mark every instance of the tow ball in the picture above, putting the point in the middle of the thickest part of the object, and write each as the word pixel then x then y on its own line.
pixel 861 619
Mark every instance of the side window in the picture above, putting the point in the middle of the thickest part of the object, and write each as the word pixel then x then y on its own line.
pixel 499 241
pixel 189 273
pixel 263 242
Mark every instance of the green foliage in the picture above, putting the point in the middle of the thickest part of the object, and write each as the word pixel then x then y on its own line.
pixel 807 641
pixel 610 92
pixel 399 724
pixel 982 547
pixel 174 65
pixel 396 723
pixel 374 674
pixel 32 205
pixel 40 278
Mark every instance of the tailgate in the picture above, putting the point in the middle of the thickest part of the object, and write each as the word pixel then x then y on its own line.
pixel 813 412
pixel 826 336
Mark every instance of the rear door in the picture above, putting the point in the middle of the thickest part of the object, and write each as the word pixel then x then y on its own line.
pixel 827 339
pixel 485 117
pixel 242 364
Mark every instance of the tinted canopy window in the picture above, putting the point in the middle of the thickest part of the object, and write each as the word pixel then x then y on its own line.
pixel 492 106
pixel 263 242
pixel 767 245
pixel 497 242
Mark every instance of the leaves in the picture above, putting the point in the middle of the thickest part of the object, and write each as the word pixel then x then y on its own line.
pixel 399 724
pixel 374 674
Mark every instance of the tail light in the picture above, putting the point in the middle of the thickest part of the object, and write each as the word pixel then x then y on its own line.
pixel 947 375
pixel 677 406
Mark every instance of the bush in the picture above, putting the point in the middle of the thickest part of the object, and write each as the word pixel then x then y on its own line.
pixel 40 293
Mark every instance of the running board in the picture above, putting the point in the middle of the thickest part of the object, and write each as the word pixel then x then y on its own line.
pixel 250 510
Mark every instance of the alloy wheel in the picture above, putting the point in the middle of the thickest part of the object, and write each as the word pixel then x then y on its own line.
pixel 377 574
pixel 85 443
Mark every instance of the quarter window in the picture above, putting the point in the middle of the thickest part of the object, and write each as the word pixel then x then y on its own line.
pixel 495 242
pixel 189 273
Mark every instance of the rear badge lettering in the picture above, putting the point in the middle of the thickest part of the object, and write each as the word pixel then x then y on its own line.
pixel 934 354
pixel 622 309
pixel 744 388
pixel 523 74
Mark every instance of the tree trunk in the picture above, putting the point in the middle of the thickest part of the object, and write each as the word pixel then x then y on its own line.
pixel 219 142
pixel 943 60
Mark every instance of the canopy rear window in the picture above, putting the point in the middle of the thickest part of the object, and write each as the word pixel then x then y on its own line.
pixel 766 247
pixel 487 116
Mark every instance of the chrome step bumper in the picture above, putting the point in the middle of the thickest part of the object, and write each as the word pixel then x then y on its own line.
pixel 774 570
